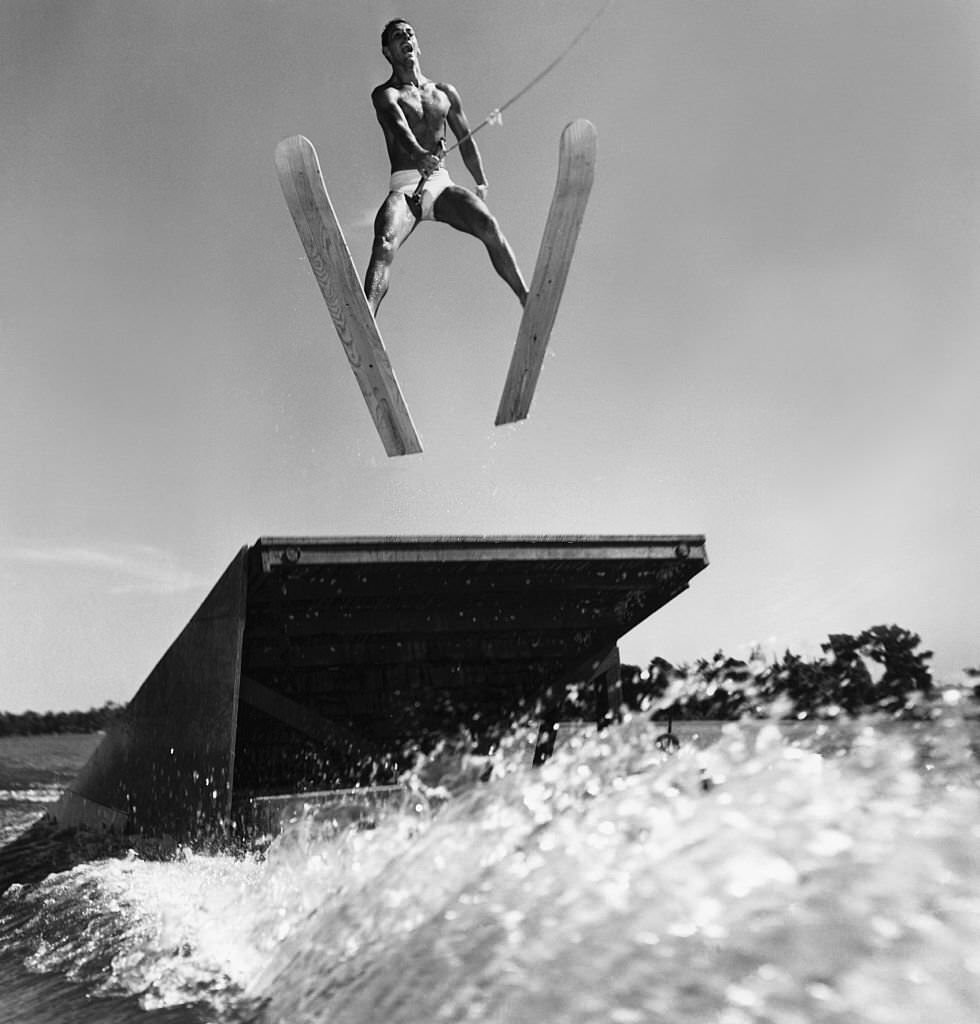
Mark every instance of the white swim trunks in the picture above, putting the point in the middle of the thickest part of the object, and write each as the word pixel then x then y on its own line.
pixel 407 181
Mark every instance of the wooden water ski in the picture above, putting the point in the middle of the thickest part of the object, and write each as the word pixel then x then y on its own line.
pixel 576 169
pixel 326 248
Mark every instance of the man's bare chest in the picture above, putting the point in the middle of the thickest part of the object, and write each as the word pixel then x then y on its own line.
pixel 426 104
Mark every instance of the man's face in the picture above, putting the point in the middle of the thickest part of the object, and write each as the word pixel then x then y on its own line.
pixel 402 43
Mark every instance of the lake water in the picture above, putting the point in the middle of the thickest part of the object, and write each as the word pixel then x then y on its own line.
pixel 748 877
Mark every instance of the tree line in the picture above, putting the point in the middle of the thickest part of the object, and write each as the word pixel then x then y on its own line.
pixel 34 723
pixel 882 669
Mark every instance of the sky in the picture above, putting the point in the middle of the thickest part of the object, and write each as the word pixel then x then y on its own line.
pixel 768 335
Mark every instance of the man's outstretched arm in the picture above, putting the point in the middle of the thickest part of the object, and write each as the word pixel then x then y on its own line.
pixel 467 146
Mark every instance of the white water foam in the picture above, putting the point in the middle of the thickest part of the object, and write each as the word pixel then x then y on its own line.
pixel 754 880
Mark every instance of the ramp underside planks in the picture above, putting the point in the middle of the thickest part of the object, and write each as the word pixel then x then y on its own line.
pixel 576 170
pixel 326 248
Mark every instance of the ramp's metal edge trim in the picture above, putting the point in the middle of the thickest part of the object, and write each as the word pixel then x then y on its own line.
pixel 484 539
pixel 242 560
pixel 274 551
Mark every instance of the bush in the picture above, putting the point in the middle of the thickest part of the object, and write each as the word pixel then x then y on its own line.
pixel 880 669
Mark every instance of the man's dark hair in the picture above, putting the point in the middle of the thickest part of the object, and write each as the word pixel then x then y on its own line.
pixel 386 31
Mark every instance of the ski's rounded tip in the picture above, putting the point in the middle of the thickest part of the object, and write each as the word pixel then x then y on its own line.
pixel 580 127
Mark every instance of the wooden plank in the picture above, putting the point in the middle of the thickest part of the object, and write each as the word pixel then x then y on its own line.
pixel 326 248
pixel 576 170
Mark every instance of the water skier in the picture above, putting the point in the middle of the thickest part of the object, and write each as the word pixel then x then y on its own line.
pixel 413 112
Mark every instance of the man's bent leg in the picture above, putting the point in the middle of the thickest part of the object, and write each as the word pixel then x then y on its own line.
pixel 393 224
pixel 461 209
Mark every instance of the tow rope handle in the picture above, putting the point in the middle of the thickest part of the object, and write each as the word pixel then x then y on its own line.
pixel 415 199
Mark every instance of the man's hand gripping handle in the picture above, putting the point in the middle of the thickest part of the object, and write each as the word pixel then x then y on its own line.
pixel 415 199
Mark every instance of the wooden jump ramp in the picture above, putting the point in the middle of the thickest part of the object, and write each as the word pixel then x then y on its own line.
pixel 314 663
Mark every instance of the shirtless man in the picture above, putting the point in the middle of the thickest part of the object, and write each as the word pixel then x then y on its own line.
pixel 413 112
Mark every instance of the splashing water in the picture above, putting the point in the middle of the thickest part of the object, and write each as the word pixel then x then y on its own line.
pixel 751 879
